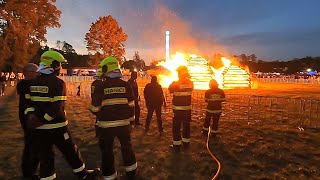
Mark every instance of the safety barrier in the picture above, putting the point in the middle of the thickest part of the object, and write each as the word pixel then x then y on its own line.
pixel 289 80
pixel 250 108
pixel 76 78
pixel 91 78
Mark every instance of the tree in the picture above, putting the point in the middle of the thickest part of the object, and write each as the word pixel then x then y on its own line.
pixel 243 58
pixel 253 57
pixel 140 64
pixel 105 38
pixel 23 27
pixel 65 47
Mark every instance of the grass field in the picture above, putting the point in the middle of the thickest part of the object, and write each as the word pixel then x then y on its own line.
pixel 247 149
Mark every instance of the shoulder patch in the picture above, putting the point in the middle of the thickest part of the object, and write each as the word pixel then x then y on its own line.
pixel 39 89
pixel 115 90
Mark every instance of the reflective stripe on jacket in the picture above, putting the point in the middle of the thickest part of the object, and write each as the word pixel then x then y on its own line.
pixel 112 102
pixel 47 95
pixel 182 94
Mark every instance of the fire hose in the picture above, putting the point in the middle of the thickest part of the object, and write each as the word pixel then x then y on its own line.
pixel 213 157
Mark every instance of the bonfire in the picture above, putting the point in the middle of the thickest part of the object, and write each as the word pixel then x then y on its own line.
pixel 228 77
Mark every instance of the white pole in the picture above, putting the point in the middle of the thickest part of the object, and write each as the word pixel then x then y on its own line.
pixel 167 45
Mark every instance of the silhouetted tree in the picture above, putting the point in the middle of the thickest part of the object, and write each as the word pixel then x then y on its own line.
pixel 140 64
pixel 253 57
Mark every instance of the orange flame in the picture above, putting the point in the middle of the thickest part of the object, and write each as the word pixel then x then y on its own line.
pixel 228 76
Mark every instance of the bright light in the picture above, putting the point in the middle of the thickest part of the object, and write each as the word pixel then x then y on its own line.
pixel 229 76
pixel 309 70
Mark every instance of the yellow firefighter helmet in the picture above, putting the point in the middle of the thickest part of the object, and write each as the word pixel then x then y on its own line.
pixel 110 63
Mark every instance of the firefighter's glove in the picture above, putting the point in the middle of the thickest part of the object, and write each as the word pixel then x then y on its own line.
pixel 33 122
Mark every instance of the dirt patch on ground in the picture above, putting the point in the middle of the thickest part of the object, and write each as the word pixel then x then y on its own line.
pixel 247 149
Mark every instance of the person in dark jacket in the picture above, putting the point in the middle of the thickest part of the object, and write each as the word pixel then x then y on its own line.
pixel 46 118
pixel 154 97
pixel 214 97
pixel 30 161
pixel 113 104
pixel 2 83
pixel 181 104
pixel 133 82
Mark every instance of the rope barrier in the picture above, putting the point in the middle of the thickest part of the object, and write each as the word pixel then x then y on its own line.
pixel 213 157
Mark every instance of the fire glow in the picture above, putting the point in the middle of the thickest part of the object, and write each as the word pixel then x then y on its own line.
pixel 229 76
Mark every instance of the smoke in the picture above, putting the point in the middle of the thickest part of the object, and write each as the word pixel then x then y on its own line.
pixel 148 29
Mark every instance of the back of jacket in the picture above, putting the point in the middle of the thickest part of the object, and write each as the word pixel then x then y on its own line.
pixel 182 94
pixel 153 94
pixel 112 102
pixel 135 88
pixel 214 97
pixel 23 89
pixel 47 94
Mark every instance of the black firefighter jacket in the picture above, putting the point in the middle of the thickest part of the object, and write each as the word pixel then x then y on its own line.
pixel 112 102
pixel 182 94
pixel 47 95
pixel 214 97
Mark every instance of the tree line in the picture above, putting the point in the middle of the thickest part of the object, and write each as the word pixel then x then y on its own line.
pixel 24 24
pixel 286 67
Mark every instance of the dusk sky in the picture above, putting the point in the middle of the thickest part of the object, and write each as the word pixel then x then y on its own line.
pixel 271 29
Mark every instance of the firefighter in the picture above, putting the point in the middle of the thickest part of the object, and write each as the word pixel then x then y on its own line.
pixel 47 119
pixel 214 97
pixel 154 97
pixel 133 82
pixel 181 103
pixel 113 104
pixel 30 161
pixel 99 77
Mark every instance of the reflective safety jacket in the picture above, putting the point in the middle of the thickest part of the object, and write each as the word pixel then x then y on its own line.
pixel 112 102
pixel 47 95
pixel 214 97
pixel 182 94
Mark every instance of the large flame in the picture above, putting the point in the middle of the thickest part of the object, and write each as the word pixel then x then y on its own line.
pixel 228 76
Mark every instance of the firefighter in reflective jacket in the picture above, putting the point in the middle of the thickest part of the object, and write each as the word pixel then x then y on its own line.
pixel 47 118
pixel 181 102
pixel 113 104
pixel 214 97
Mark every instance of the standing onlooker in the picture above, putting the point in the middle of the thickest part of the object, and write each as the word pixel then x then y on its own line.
pixel 2 83
pixel 214 97
pixel 30 161
pixel 133 82
pixel 12 78
pixel 153 94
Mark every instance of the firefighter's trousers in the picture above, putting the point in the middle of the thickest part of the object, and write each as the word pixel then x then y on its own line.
pixel 43 141
pixel 136 112
pixel 151 109
pixel 30 161
pixel 215 118
pixel 181 118
pixel 106 139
